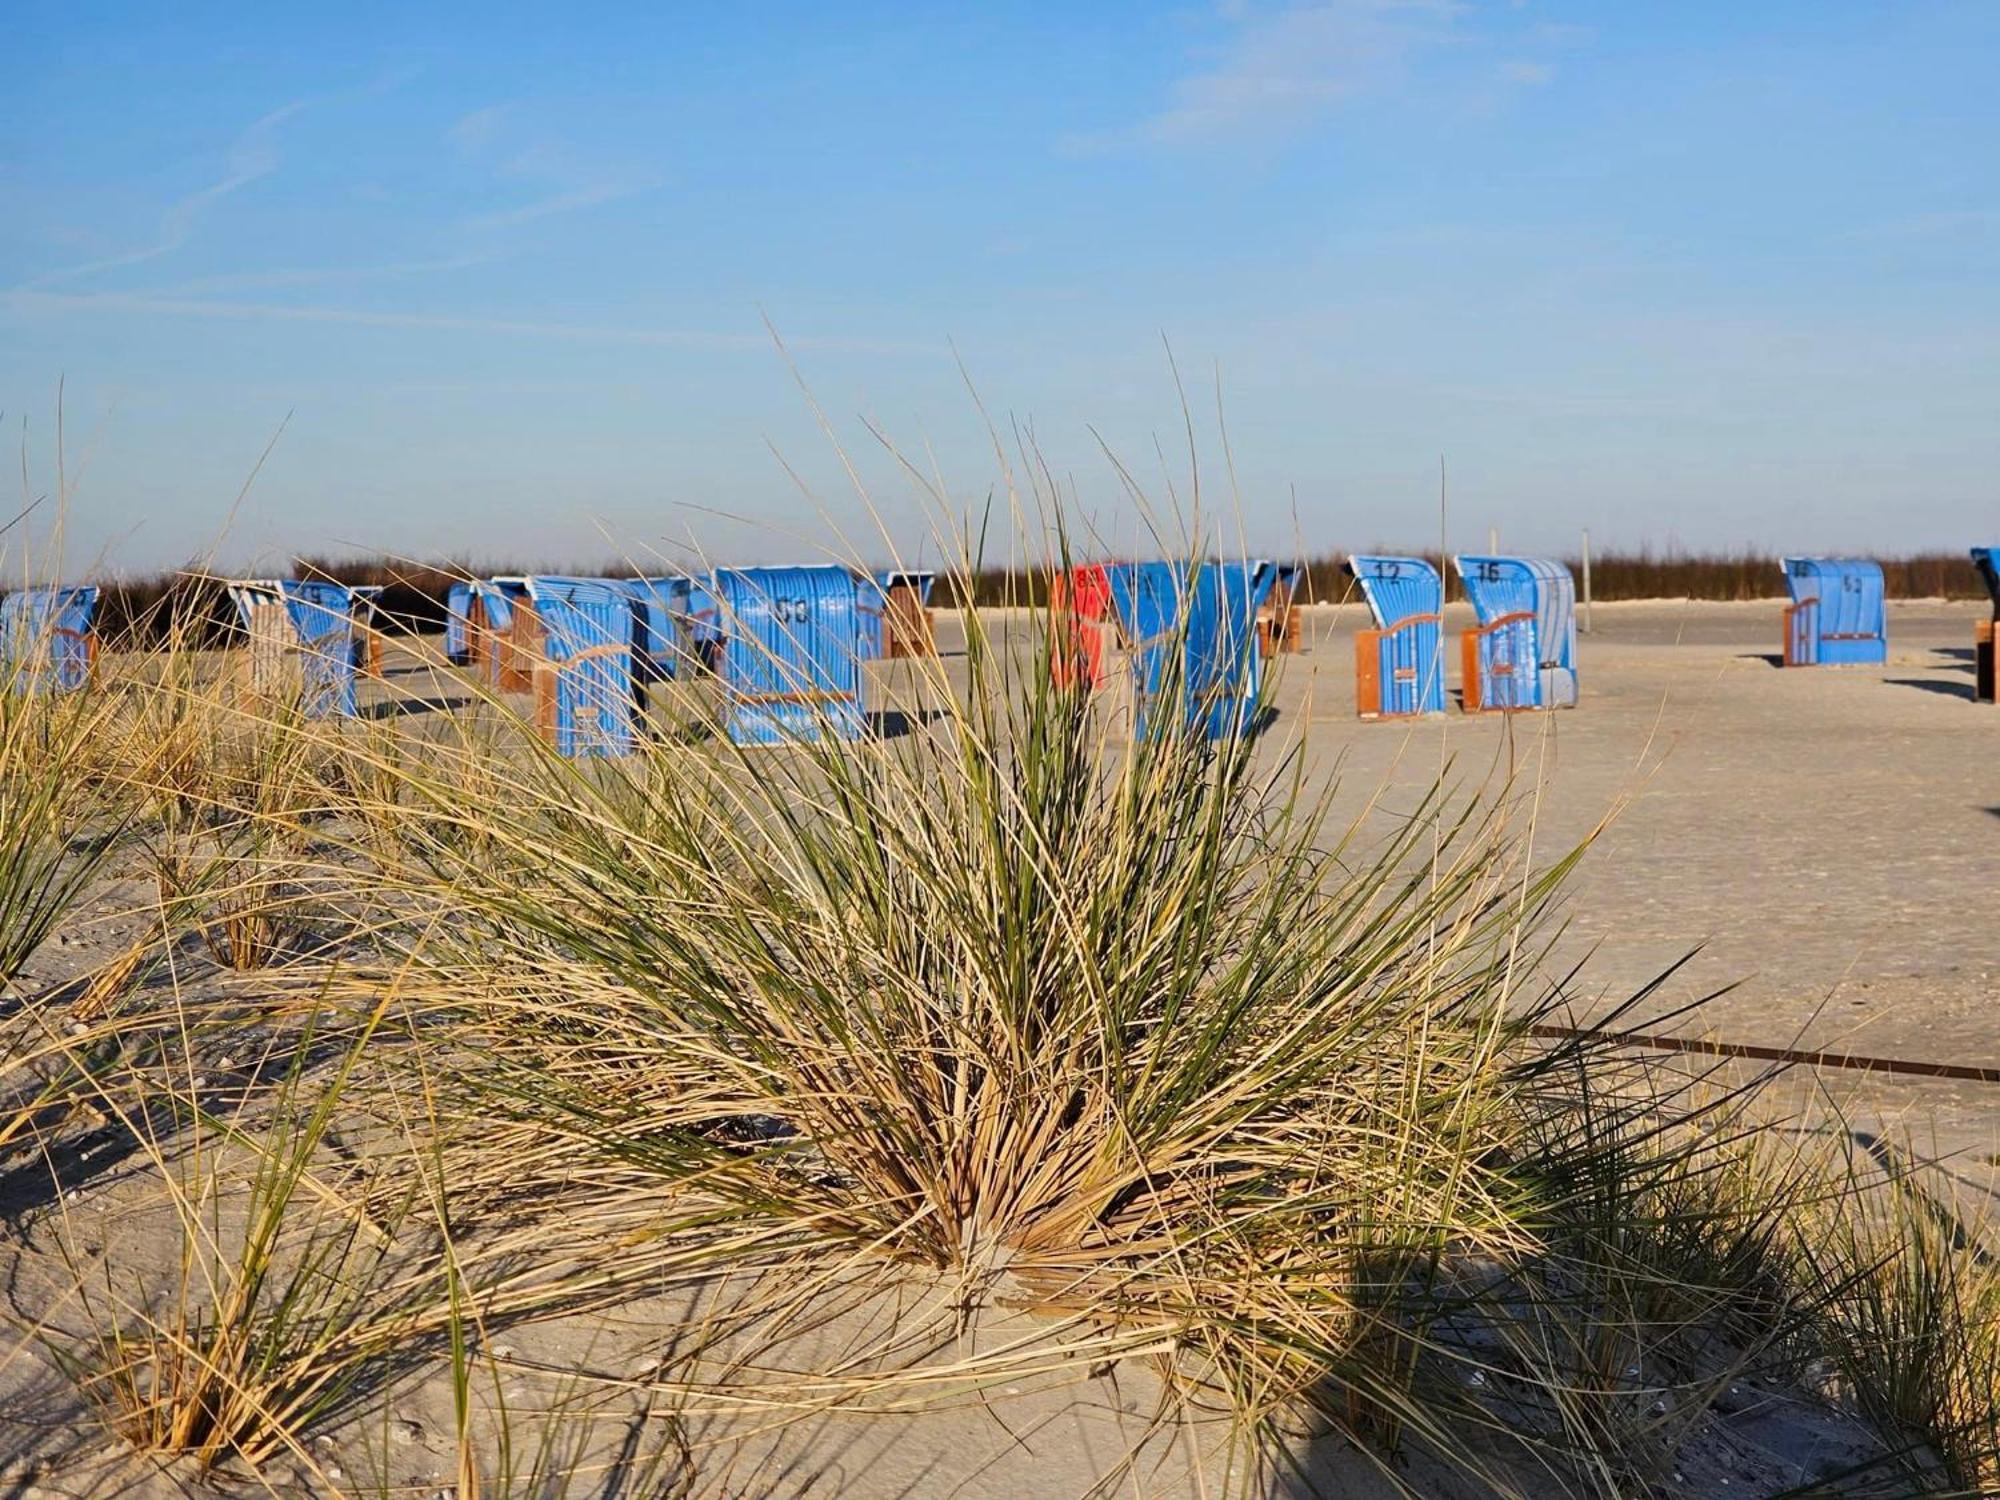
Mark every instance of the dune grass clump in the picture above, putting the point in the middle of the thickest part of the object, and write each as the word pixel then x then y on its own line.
pixel 1912 1332
pixel 60 829
pixel 57 828
pixel 285 1302
pixel 1129 1034
pixel 235 798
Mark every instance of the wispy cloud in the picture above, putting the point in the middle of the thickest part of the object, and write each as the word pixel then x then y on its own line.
pixel 560 183
pixel 295 276
pixel 569 200
pixel 252 156
pixel 1284 69
pixel 25 302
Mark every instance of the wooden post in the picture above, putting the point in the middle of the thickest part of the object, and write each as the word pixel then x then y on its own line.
pixel 1586 580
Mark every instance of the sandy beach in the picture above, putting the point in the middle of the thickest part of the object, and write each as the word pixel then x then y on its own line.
pixel 1822 843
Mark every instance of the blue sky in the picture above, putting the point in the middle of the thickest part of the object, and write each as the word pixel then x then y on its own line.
pixel 1707 273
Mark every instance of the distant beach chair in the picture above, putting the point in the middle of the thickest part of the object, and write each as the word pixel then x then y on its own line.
pixel 1081 614
pixel 461 605
pixel 48 639
pixel 507 640
pixel 586 687
pixel 1987 561
pixel 792 644
pixel 906 628
pixel 1837 616
pixel 1280 627
pixel 1522 655
pixel 1399 665
pixel 307 640
pixel 1193 630
pixel 366 600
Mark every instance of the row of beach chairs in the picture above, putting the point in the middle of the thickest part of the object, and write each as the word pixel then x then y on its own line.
pixel 786 644
pixel 1522 655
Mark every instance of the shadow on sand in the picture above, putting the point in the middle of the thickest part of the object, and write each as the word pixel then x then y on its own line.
pixel 1943 689
pixel 402 708
pixel 894 723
